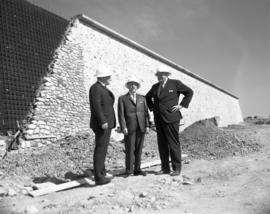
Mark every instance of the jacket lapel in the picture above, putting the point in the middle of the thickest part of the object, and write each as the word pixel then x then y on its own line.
pixel 159 90
pixel 110 93
pixel 164 90
pixel 131 100
pixel 138 100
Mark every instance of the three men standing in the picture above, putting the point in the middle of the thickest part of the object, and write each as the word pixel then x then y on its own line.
pixel 134 123
pixel 163 99
pixel 102 121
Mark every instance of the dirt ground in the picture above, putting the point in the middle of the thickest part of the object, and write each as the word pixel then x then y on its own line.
pixel 235 179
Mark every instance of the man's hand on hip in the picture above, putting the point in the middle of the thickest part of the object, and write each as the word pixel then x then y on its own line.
pixel 176 108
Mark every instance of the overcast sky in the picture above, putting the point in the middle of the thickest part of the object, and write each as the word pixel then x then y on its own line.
pixel 226 42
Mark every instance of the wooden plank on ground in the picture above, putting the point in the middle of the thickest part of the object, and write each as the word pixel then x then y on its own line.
pixel 155 162
pixel 144 165
pixel 43 185
pixel 79 182
pixel 151 163
pixel 60 187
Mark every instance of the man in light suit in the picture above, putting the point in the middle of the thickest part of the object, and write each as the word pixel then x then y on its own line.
pixel 163 100
pixel 102 121
pixel 134 123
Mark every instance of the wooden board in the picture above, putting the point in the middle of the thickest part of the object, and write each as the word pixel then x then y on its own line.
pixel 60 187
pixel 79 182
pixel 43 185
pixel 155 162
pixel 144 165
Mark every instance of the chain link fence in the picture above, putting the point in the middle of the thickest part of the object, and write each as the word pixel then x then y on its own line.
pixel 29 36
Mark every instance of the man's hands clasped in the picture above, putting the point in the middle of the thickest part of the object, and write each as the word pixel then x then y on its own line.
pixel 104 126
pixel 125 131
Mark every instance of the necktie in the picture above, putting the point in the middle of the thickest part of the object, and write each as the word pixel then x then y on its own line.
pixel 133 98
pixel 160 89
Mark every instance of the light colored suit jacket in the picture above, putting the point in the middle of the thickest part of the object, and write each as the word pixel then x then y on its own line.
pixel 131 115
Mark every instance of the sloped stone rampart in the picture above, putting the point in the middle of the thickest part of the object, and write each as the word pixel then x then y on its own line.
pixel 61 108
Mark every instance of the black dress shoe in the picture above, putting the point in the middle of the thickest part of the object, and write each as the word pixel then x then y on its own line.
pixel 102 181
pixel 161 172
pixel 139 173
pixel 127 174
pixel 175 173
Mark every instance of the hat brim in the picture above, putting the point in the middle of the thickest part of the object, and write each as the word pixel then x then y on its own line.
pixel 104 75
pixel 138 84
pixel 163 72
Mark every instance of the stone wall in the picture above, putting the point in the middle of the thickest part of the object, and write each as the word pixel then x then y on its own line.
pixel 62 106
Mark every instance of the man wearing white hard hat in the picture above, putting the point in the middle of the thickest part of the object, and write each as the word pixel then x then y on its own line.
pixel 102 121
pixel 163 100
pixel 134 123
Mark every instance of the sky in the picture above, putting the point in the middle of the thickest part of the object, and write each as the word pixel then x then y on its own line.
pixel 226 42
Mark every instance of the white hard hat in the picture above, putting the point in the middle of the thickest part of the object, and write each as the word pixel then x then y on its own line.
pixel 133 79
pixel 103 71
pixel 163 69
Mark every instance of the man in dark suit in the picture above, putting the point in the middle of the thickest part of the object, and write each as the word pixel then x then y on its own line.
pixel 134 123
pixel 102 121
pixel 163 99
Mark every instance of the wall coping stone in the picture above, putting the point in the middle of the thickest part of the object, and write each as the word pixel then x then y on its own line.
pixel 121 38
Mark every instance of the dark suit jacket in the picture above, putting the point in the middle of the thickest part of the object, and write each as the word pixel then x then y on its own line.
pixel 130 114
pixel 101 106
pixel 161 104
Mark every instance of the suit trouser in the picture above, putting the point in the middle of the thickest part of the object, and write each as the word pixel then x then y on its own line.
pixel 133 148
pixel 169 145
pixel 102 138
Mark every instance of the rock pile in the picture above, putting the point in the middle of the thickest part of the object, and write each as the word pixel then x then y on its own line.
pixel 204 140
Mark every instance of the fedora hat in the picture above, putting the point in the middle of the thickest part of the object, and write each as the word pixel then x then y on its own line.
pixel 163 69
pixel 103 71
pixel 133 79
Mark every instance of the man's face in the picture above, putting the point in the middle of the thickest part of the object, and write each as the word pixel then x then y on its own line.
pixel 132 87
pixel 105 80
pixel 162 76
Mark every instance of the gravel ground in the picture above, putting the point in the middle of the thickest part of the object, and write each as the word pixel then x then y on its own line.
pixel 71 157
pixel 68 158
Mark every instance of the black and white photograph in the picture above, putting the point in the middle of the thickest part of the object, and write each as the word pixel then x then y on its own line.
pixel 134 106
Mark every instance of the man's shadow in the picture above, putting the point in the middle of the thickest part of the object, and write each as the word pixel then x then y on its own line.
pixel 69 176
